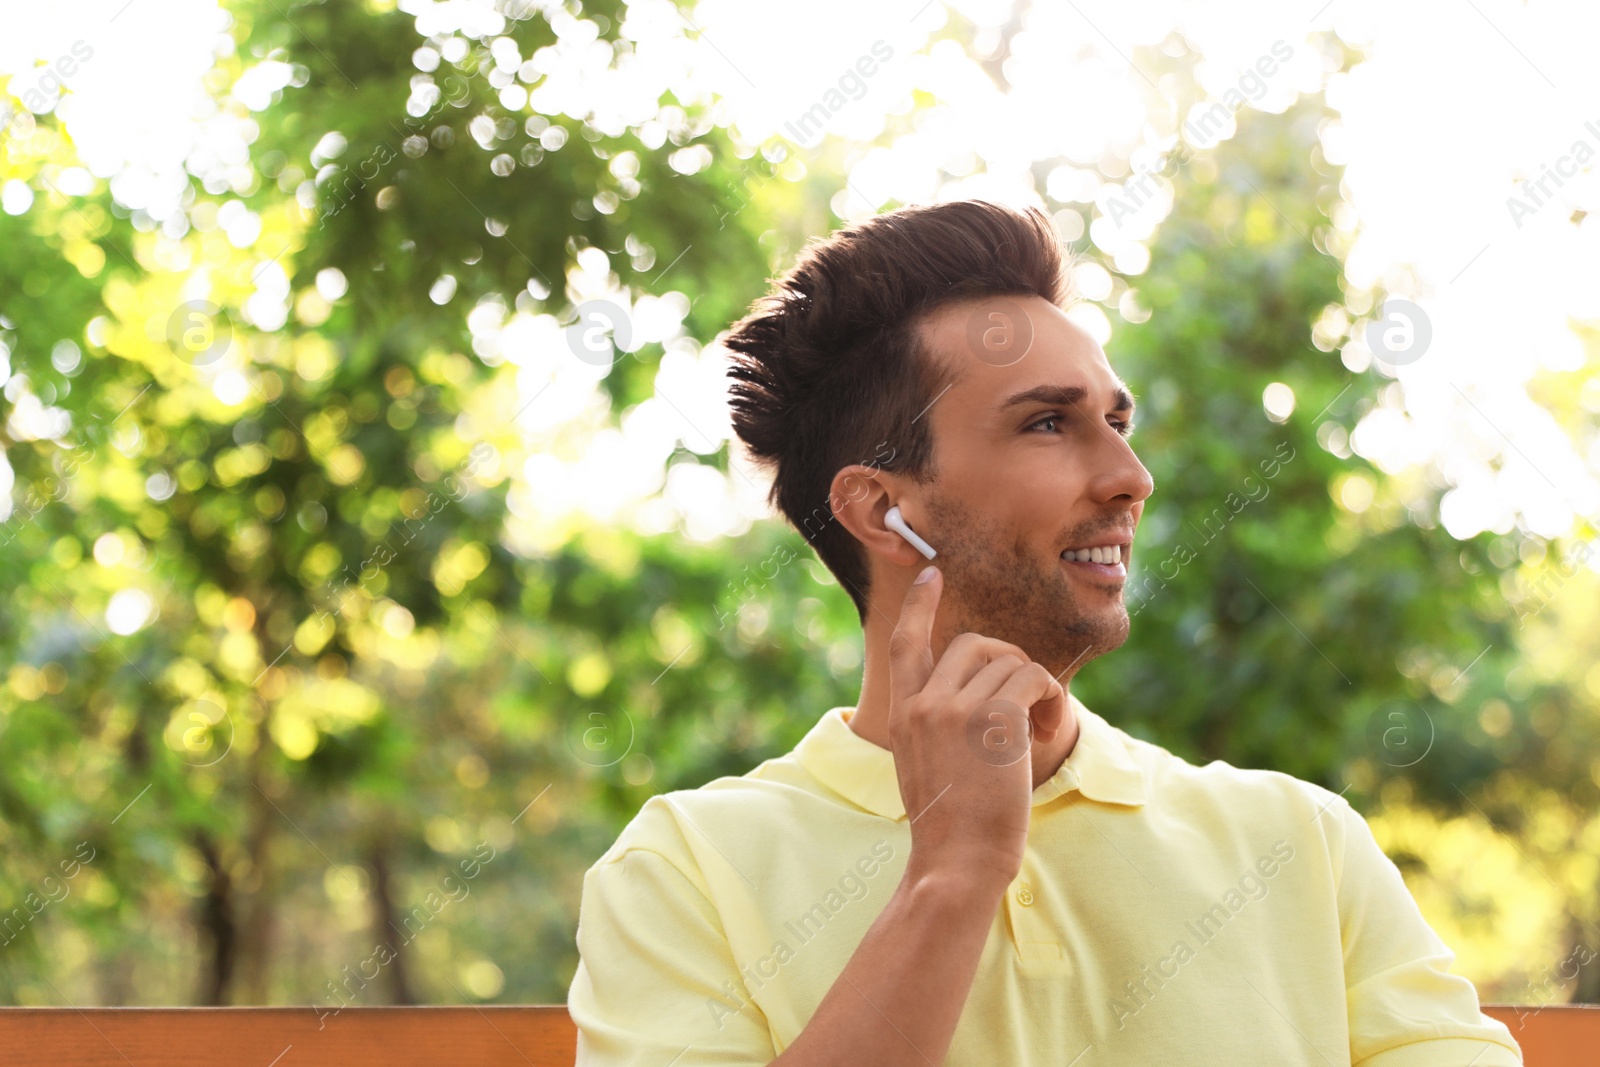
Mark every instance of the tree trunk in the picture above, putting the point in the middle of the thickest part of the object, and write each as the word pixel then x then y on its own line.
pixel 1585 956
pixel 216 920
pixel 260 896
pixel 385 927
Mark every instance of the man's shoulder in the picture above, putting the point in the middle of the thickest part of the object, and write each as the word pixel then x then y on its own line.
pixel 1219 783
pixel 679 823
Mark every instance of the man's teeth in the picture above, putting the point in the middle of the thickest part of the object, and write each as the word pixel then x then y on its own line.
pixel 1110 554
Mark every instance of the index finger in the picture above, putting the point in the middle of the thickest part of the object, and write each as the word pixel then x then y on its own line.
pixel 910 646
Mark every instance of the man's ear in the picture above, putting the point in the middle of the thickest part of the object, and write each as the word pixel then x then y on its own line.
pixel 860 496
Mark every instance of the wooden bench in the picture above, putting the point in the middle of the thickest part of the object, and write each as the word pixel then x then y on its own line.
pixel 1563 1036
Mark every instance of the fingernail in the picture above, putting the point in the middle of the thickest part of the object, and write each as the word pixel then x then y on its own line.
pixel 926 575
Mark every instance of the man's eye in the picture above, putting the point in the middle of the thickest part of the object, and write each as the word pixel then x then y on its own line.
pixel 1122 427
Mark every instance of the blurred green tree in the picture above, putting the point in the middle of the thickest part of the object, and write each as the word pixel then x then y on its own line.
pixel 322 548
pixel 350 685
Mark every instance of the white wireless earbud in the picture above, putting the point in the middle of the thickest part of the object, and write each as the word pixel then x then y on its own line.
pixel 893 519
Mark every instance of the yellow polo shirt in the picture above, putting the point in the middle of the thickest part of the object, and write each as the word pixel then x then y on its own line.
pixel 1164 914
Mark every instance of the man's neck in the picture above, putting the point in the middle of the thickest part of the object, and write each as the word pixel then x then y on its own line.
pixel 871 716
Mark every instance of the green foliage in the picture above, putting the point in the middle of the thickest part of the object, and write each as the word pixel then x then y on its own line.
pixel 1289 619
pixel 354 680
pixel 339 658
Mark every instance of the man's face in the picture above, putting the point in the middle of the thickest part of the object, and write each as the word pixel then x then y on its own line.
pixel 1031 468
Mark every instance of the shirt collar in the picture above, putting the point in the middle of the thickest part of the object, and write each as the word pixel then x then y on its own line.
pixel 1100 766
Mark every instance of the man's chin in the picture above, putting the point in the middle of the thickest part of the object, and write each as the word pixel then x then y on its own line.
pixel 1057 621
pixel 1090 635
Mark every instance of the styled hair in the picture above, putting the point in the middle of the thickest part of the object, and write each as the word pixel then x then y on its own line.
pixel 830 369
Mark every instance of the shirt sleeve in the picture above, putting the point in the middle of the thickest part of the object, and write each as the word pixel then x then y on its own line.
pixel 1406 1008
pixel 656 981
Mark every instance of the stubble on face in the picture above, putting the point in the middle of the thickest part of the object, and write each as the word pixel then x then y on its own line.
pixel 999 588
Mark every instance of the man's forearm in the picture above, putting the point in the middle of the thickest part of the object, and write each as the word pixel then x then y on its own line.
pixel 899 998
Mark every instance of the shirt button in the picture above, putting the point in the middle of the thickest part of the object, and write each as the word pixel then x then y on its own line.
pixel 1024 894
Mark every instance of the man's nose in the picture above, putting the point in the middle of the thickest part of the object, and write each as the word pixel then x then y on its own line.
pixel 1119 474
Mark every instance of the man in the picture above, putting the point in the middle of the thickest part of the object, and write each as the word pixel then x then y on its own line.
pixel 969 866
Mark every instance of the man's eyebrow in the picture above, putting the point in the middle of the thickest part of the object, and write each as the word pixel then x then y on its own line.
pixel 1066 396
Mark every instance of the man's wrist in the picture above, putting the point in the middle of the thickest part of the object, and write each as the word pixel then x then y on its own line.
pixel 955 886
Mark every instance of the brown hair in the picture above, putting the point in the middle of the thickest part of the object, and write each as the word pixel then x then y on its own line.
pixel 830 368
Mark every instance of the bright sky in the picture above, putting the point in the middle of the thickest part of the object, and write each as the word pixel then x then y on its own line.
pixel 1457 105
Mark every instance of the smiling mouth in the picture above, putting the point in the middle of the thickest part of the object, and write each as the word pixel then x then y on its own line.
pixel 1104 561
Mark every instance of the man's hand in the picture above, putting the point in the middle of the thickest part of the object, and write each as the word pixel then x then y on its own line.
pixel 961 731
